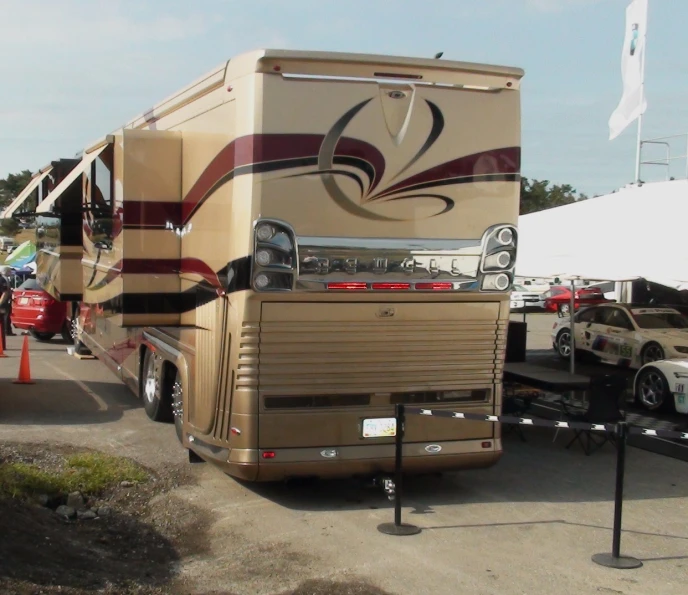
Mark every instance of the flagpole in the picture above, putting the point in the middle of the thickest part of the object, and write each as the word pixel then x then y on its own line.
pixel 639 142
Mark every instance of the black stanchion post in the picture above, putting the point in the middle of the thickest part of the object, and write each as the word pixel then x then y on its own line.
pixel 615 559
pixel 397 527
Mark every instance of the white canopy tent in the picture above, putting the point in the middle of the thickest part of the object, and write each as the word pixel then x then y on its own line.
pixel 638 232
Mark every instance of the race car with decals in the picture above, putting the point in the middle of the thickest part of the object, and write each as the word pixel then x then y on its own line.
pixel 624 335
pixel 662 385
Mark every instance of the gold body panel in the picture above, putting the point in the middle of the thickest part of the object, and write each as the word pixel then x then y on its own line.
pixel 404 158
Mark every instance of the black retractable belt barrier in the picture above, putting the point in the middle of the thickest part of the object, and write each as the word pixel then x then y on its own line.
pixel 397 527
pixel 621 431
pixel 615 559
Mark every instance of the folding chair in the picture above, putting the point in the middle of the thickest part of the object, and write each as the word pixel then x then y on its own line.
pixel 517 402
pixel 605 398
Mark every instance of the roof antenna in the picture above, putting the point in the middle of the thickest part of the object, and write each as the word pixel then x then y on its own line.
pixel 438 55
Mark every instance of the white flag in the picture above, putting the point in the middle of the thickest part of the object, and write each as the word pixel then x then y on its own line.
pixel 632 102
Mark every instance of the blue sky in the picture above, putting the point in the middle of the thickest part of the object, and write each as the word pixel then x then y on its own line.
pixel 73 70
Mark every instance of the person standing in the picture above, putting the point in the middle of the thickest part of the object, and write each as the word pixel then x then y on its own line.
pixel 6 301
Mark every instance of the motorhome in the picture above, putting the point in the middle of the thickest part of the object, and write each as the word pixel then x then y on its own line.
pixel 277 254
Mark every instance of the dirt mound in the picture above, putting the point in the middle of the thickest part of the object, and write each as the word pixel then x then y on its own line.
pixel 124 545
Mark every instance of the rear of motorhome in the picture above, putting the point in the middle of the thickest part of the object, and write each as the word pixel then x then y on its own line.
pixel 279 253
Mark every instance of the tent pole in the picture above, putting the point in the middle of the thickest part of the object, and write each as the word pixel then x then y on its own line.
pixel 572 309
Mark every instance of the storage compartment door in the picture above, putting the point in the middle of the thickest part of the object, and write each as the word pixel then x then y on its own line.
pixel 151 178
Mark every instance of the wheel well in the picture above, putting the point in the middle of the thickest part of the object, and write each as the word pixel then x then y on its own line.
pixel 168 373
pixel 649 344
pixel 563 330
pixel 142 358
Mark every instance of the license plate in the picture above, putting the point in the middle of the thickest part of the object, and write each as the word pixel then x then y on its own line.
pixel 379 427
pixel 23 301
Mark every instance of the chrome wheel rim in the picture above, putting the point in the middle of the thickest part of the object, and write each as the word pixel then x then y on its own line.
pixel 177 402
pixel 653 353
pixel 564 344
pixel 150 386
pixel 652 390
pixel 74 328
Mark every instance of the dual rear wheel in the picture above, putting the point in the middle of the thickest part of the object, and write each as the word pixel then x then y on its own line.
pixel 161 391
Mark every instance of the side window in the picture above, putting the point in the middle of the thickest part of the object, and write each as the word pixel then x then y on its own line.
pixel 601 315
pixel 98 181
pixel 618 319
pixel 99 196
pixel 587 315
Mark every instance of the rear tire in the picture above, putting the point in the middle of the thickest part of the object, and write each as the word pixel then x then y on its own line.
pixel 43 337
pixel 156 407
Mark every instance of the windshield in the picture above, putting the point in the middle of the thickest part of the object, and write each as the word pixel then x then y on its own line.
pixel 659 319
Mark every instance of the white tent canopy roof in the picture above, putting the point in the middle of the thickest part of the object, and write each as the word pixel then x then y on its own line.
pixel 637 232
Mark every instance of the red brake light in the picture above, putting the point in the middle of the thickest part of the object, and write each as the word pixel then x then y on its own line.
pixel 392 286
pixel 349 286
pixel 269 454
pixel 435 286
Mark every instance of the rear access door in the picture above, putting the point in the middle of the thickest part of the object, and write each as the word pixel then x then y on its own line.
pixel 325 367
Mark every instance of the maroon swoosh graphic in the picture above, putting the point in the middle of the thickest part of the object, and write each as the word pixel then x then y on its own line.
pixel 161 266
pixel 150 214
pixel 253 150
pixel 496 161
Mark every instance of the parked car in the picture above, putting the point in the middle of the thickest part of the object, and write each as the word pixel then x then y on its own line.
pixel 6 244
pixel 558 298
pixel 523 297
pixel 608 288
pixel 623 334
pixel 662 385
pixel 533 284
pixel 35 310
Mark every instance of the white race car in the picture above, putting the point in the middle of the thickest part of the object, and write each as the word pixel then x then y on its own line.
pixel 662 384
pixel 624 335
pixel 523 297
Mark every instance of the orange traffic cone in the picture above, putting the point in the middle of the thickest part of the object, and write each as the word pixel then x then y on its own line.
pixel 2 340
pixel 24 367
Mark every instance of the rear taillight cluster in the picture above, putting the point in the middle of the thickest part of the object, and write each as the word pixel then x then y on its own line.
pixel 274 256
pixel 498 258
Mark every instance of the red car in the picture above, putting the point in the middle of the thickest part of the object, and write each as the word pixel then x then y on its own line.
pixel 558 298
pixel 35 310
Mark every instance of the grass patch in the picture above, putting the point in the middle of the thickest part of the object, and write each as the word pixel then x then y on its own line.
pixel 89 473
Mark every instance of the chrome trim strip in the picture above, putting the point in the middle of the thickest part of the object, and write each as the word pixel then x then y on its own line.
pixel 374 450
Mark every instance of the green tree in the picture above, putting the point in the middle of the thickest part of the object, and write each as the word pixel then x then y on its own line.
pixel 538 195
pixel 9 227
pixel 12 185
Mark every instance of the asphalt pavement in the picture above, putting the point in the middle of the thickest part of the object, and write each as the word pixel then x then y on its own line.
pixel 528 525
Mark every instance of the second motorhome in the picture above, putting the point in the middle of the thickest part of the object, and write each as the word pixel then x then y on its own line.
pixel 276 255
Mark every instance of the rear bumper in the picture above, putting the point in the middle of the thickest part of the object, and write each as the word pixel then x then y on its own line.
pixel 40 325
pixel 357 461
